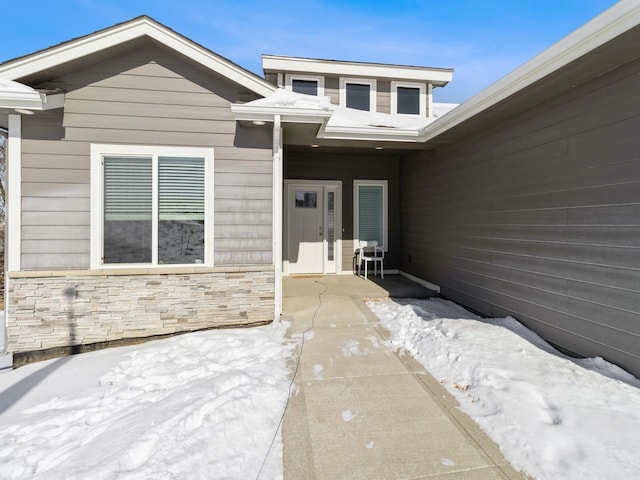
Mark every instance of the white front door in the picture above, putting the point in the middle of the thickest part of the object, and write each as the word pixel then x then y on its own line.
pixel 312 228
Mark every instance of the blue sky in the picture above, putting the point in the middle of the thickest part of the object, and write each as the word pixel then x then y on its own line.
pixel 480 40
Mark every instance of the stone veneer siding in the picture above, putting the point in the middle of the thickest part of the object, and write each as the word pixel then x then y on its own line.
pixel 61 309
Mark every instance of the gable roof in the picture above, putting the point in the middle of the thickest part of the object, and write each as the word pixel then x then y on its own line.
pixel 122 33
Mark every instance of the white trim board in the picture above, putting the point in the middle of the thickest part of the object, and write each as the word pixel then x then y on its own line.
pixel 277 63
pixel 14 193
pixel 424 283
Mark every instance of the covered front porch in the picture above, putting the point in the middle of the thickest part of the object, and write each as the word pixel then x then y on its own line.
pixel 334 198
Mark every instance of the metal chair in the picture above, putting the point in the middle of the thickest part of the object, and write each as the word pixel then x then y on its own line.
pixel 369 251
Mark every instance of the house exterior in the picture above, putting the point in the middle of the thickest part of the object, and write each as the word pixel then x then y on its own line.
pixel 160 188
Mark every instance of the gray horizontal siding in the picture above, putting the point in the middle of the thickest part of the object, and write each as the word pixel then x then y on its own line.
pixel 145 97
pixel 539 218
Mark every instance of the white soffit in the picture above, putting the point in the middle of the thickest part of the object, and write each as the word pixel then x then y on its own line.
pixel 125 32
pixel 276 63
pixel 16 95
pixel 612 23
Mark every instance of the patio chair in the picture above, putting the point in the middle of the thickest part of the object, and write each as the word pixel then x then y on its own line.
pixel 369 251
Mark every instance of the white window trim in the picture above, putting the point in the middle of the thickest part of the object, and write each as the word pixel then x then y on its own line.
pixel 385 213
pixel 289 78
pixel 373 104
pixel 423 98
pixel 99 151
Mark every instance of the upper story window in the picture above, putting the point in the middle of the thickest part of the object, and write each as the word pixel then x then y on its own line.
pixel 358 93
pixel 408 99
pixel 151 205
pixel 305 84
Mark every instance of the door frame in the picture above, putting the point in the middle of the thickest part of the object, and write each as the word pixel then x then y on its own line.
pixel 327 186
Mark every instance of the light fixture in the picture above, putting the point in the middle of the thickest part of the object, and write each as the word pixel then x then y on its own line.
pixel 23 111
pixel 259 122
pixel 315 145
pixel 379 148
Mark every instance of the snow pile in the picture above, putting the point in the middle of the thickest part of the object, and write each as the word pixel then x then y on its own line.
pixel 201 406
pixel 342 117
pixel 441 109
pixel 17 95
pixel 552 416
pixel 287 98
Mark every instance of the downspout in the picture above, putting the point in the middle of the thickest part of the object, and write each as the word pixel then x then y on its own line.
pixel 277 215
pixel 13 202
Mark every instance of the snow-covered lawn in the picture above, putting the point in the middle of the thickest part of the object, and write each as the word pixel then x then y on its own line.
pixel 200 406
pixel 552 416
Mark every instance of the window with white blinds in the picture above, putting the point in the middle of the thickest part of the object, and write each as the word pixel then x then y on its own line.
pixel 153 205
pixel 128 209
pixel 181 188
pixel 370 215
pixel 128 188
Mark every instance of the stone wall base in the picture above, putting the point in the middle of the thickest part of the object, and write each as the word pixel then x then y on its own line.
pixel 67 312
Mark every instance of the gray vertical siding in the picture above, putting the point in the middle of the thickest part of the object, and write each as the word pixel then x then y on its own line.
pixel 149 97
pixel 347 166
pixel 539 218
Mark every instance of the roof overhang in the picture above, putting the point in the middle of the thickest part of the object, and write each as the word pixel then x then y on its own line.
pixel 256 113
pixel 334 122
pixel 435 76
pixel 24 99
pixel 126 32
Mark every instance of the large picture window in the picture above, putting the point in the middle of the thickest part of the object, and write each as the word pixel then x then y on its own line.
pixel 150 205
pixel 370 211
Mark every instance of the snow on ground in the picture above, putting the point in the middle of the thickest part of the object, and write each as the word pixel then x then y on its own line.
pixel 552 416
pixel 203 405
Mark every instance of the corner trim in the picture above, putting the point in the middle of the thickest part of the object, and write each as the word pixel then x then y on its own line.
pixel 424 283
pixel 14 193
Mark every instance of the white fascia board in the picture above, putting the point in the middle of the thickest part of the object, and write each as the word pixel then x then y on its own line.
pixel 51 102
pixel 287 115
pixel 368 133
pixel 129 31
pixel 615 21
pixel 436 76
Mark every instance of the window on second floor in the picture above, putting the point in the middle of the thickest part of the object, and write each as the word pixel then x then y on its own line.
pixel 358 93
pixel 408 99
pixel 305 84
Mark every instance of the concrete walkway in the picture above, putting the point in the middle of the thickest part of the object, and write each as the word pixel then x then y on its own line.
pixel 358 410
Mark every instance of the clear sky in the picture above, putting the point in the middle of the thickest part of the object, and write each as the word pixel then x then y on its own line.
pixel 480 40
